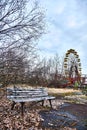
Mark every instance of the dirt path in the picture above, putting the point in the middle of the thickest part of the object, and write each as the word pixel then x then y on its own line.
pixel 69 115
pixel 79 110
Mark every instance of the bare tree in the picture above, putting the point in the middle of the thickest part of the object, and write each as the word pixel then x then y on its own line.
pixel 21 23
pixel 13 68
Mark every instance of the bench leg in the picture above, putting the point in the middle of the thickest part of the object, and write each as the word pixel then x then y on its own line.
pixel 42 102
pixel 22 108
pixel 13 104
pixel 50 103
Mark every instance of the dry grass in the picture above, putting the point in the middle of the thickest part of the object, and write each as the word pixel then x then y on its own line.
pixel 61 90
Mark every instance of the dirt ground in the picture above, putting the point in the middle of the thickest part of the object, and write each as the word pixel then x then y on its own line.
pixel 12 120
pixel 35 116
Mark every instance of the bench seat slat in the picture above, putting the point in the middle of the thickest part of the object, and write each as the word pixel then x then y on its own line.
pixel 30 93
pixel 28 96
pixel 30 99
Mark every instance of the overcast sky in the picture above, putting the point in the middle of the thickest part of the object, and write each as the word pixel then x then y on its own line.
pixel 66 28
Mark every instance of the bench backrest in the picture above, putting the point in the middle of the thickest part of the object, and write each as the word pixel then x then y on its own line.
pixel 26 93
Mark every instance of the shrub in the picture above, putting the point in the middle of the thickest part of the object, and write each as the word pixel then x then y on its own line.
pixel 84 90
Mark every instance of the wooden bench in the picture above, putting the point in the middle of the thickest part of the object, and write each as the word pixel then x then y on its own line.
pixel 17 95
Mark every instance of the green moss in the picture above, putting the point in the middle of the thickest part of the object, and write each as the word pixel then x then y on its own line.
pixel 85 122
pixel 84 91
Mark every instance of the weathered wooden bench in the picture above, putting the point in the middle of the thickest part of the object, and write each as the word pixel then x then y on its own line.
pixel 17 95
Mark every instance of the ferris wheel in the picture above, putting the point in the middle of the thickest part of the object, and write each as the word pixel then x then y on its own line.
pixel 72 65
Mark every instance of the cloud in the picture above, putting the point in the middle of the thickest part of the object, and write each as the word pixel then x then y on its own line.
pixel 51 39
